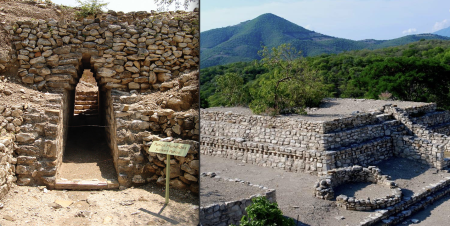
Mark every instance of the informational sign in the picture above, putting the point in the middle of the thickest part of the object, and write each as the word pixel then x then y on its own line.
pixel 169 148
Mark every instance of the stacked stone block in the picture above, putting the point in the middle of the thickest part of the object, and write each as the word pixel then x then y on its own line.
pixel 231 212
pixel 395 214
pixel 324 188
pixel 139 55
pixel 86 102
pixel 132 56
pixel 40 141
pixel 314 146
pixel 135 130
pixel 7 165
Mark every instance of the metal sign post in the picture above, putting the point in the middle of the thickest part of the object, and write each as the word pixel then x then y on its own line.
pixel 169 148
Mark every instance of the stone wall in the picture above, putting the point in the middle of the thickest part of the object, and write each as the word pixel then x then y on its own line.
pixel 128 56
pixel 398 212
pixel 324 188
pixel 7 165
pixel 228 213
pixel 39 140
pixel 295 144
pixel 142 63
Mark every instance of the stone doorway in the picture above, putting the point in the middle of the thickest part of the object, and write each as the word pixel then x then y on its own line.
pixel 87 161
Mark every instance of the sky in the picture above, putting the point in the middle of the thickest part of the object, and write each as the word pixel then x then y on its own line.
pixel 350 19
pixel 127 5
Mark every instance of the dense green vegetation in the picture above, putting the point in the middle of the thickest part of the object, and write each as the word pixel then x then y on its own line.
pixel 242 42
pixel 419 71
pixel 264 213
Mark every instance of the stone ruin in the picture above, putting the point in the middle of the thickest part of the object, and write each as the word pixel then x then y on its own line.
pixel 295 144
pixel 336 148
pixel 136 58
pixel 324 188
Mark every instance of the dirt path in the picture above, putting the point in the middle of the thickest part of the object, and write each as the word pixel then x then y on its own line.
pixel 87 155
pixel 134 206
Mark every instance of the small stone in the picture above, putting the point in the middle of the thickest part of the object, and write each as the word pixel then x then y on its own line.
pixel 127 203
pixel 415 221
pixel 8 218
pixel 63 203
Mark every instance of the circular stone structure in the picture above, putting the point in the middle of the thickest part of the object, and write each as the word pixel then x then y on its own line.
pixel 324 188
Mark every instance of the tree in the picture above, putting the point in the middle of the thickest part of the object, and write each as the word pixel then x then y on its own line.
pixel 163 5
pixel 284 57
pixel 290 86
pixel 229 90
pixel 408 79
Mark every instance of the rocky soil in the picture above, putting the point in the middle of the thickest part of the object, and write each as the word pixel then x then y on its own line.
pixel 134 206
pixel 331 108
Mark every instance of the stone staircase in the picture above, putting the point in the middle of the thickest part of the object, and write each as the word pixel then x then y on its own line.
pixel 86 102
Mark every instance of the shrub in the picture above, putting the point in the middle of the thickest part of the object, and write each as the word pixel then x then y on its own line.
pixel 385 96
pixel 264 213
pixel 90 8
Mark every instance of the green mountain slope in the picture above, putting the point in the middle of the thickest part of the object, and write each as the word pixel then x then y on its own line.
pixel 241 42
pixel 443 32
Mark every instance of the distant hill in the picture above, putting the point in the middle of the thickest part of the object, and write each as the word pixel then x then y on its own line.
pixel 243 41
pixel 443 32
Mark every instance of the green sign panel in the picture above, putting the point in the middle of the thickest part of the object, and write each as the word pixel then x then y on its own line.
pixel 169 148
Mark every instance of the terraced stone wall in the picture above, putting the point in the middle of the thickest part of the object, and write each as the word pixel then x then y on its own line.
pixel 135 58
pixel 295 144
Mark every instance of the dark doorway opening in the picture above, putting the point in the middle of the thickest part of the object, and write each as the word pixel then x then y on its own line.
pixel 87 155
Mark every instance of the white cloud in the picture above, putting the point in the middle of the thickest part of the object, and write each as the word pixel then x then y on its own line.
pixel 409 31
pixel 441 25
pixel 309 27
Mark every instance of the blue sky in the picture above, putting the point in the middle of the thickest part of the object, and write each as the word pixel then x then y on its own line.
pixel 126 5
pixel 351 19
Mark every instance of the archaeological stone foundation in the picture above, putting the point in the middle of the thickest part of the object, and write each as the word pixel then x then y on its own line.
pixel 134 58
pixel 339 150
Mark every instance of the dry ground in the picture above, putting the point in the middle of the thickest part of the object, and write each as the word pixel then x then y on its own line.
pixel 331 108
pixel 294 191
pixel 134 206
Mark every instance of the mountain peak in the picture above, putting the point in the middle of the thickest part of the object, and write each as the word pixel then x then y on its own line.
pixel 242 42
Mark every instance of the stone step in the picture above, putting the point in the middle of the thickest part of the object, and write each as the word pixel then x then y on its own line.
pixel 86 107
pixel 88 98
pixel 87 93
pixel 86 102
pixel 89 111
pixel 86 184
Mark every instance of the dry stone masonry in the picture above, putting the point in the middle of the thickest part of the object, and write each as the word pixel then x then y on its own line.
pixel 230 213
pixel 145 66
pixel 324 188
pixel 340 150
pixel 298 145
pixel 137 56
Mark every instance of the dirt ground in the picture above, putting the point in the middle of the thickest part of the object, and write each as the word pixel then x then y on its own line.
pixel 435 214
pixel 87 155
pixel 134 206
pixel 331 108
pixel 294 191
pixel 217 189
